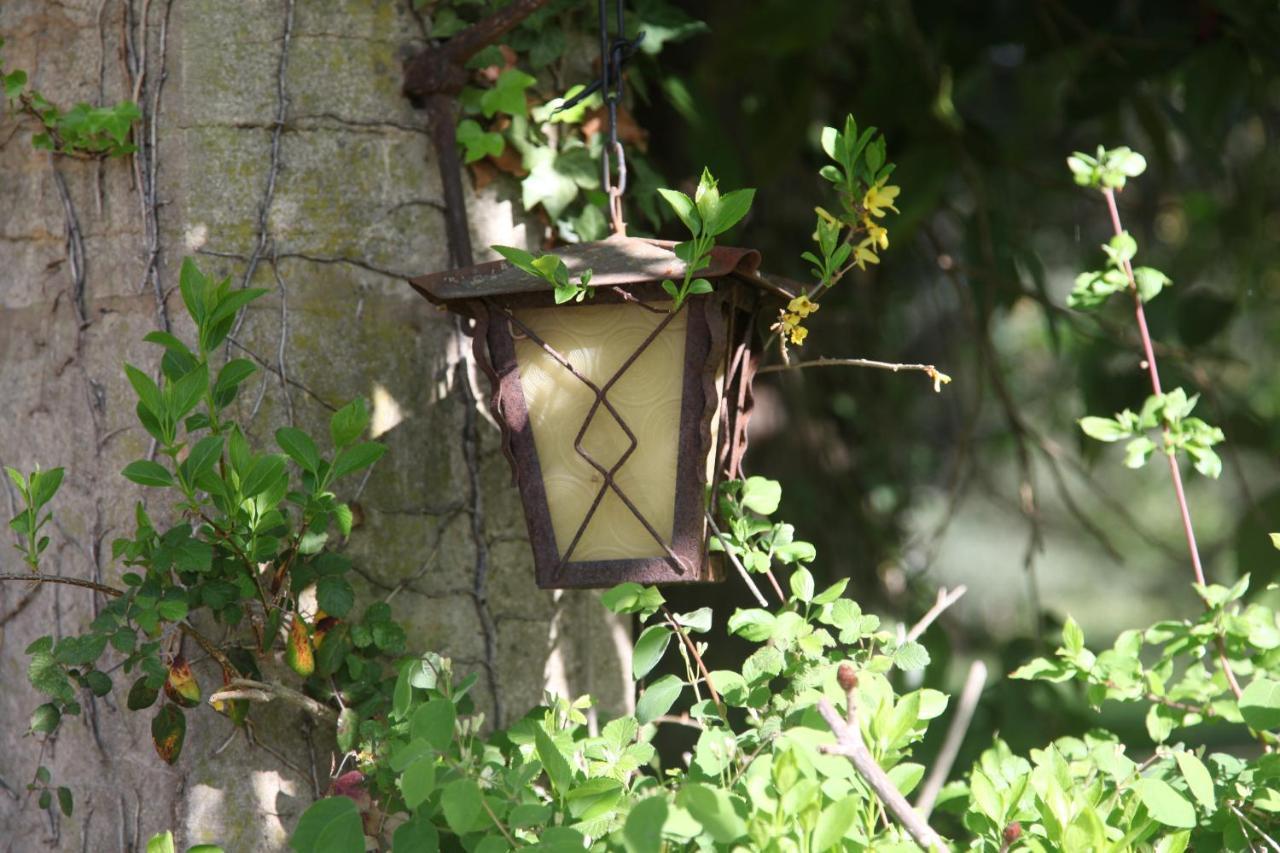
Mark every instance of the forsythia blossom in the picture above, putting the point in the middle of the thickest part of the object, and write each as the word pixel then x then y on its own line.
pixel 880 198
pixel 790 320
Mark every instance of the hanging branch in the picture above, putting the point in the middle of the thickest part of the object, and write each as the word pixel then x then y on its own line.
pixel 937 376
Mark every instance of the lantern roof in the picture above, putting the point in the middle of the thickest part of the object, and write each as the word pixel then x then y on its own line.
pixel 616 261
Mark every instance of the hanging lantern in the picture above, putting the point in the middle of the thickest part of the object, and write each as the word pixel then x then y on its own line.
pixel 619 417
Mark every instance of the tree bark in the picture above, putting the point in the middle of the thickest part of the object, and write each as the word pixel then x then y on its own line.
pixel 277 148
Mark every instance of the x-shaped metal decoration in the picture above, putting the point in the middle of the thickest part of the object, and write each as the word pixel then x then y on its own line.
pixel 607 474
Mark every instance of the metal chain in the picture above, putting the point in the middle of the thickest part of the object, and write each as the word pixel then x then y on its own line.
pixel 613 53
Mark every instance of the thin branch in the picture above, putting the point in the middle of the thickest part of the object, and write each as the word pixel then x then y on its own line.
pixel 97 587
pixel 965 707
pixel 203 641
pixel 263 691
pixel 737 564
pixel 849 743
pixel 945 599
pixel 937 376
pixel 697 658
pixel 1153 372
pixel 1271 842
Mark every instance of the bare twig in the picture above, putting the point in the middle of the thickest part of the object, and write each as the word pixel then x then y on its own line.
pixel 946 598
pixel 942 765
pixel 849 743
pixel 34 578
pixel 937 376
pixel 264 691
pixel 737 564
pixel 1240 815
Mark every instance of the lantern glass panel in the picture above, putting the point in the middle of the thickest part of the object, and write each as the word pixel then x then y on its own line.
pixel 599 341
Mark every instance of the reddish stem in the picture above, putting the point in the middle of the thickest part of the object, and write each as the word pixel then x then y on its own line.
pixel 1154 372
pixel 1174 471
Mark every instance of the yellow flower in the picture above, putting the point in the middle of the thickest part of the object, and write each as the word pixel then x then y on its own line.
pixel 879 197
pixel 876 233
pixel 863 254
pixel 788 326
pixel 802 306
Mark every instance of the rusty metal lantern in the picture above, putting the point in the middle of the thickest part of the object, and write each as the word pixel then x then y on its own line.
pixel 619 417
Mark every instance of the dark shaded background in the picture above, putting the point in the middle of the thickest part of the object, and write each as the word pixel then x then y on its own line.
pixel 990 482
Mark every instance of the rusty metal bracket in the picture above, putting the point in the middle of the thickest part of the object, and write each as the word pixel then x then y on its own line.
pixel 432 80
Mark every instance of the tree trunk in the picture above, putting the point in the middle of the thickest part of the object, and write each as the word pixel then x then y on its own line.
pixel 277 148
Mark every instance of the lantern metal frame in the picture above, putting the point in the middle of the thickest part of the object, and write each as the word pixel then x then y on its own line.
pixel 716 401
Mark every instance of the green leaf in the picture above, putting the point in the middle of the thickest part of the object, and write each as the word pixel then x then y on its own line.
pixel 910 656
pixel 831 593
pixel 658 698
pixel 642 833
pixel 187 391
pixel 802 585
pixel 833 822
pixel 733 206
pixel 686 211
pixel 45 718
pixel 1072 637
pixel 1199 782
pixel 44 485
pixel 1104 429
pixel 232 374
pixel 477 142
pixel 263 475
pixel 433 723
pixel 649 649
pixel 14 83
pixel 168 730
pixel 752 624
pixel 518 258
pixel 65 801
pixel 334 595
pixel 1165 804
pixel 160 843
pixel 147 473
pixel 226 309
pixel 418 781
pixel 558 770
pixel 712 808
pixel 300 448
pixel 354 458
pixel 546 185
pixel 698 621
pixel 331 825
pixel 142 695
pixel 1260 704
pixel 146 389
pixel 761 495
pixel 461 802
pixel 203 456
pixel 507 94
pixel 731 686
pixel 348 728
pixel 418 833
pixel 632 598
pixel 348 423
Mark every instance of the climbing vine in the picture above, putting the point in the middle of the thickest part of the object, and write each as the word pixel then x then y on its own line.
pixel 82 130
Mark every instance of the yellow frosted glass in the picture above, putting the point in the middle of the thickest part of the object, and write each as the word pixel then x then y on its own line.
pixel 597 339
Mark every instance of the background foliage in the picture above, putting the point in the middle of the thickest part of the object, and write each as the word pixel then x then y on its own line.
pixel 992 484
